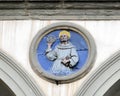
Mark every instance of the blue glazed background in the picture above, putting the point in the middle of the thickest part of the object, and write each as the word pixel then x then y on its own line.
pixel 76 39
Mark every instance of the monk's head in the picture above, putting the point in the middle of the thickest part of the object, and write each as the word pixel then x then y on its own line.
pixel 64 36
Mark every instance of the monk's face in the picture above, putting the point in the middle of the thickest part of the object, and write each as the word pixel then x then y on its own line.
pixel 63 38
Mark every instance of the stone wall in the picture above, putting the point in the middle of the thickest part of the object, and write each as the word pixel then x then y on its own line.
pixel 60 9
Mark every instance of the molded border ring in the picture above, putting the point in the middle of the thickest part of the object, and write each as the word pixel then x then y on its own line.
pixel 64 79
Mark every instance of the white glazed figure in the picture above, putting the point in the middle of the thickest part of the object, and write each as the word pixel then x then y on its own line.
pixel 64 55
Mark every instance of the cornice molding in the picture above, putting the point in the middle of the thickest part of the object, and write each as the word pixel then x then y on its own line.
pixel 60 9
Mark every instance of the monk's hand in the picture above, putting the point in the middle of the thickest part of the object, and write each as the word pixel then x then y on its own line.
pixel 49 44
pixel 65 62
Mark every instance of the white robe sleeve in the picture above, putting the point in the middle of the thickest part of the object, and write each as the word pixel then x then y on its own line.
pixel 51 54
pixel 74 57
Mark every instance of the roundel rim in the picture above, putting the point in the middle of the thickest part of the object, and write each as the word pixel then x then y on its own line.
pixel 64 79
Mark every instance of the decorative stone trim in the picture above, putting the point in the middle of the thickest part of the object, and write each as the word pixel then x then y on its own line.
pixel 18 80
pixel 72 77
pixel 59 9
pixel 102 78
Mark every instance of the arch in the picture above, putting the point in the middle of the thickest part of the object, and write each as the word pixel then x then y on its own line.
pixel 101 80
pixel 5 90
pixel 16 78
pixel 114 90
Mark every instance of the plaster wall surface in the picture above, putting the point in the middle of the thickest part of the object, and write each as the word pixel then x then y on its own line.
pixel 16 37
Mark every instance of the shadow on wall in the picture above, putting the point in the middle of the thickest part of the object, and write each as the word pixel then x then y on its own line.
pixel 5 90
pixel 114 90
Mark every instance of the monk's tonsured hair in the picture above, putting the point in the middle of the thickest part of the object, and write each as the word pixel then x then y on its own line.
pixel 64 32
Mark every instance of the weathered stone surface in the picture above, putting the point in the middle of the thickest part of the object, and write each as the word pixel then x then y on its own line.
pixel 60 14
pixel 75 0
pixel 62 9
pixel 36 5
pixel 10 0
pixel 83 5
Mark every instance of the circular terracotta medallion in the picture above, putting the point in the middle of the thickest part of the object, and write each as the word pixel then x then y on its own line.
pixel 62 52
